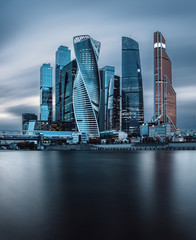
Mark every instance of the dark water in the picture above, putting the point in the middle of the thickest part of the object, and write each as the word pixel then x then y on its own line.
pixel 80 195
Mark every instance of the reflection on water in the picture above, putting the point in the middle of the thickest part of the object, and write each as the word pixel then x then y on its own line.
pixel 90 195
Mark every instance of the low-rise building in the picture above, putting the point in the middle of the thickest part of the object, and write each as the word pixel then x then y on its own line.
pixel 161 130
pixel 114 134
pixel 144 130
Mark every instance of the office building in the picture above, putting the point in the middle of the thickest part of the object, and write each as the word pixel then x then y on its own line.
pixel 114 104
pixel 160 131
pixel 63 57
pixel 67 80
pixel 106 77
pixel 164 93
pixel 132 90
pixel 86 92
pixel 46 93
pixel 26 118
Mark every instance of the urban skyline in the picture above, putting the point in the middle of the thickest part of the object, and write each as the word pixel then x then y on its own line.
pixel 91 100
pixel 25 61
pixel 68 91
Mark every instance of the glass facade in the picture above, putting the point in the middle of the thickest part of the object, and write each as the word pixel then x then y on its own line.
pixel 106 76
pixel 63 57
pixel 26 117
pixel 114 104
pixel 86 93
pixel 132 89
pixel 46 93
pixel 67 80
pixel 164 94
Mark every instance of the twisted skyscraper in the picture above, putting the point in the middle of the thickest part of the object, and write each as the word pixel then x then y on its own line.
pixel 86 90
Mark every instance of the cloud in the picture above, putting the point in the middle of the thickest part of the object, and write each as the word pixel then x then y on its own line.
pixel 23 108
pixel 31 32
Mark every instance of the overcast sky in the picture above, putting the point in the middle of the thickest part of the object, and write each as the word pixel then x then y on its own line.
pixel 32 30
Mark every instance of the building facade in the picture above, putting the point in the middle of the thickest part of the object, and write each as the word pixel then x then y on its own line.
pixel 160 131
pixel 114 105
pixel 67 81
pixel 86 92
pixel 26 118
pixel 63 57
pixel 132 89
pixel 164 93
pixel 106 77
pixel 46 93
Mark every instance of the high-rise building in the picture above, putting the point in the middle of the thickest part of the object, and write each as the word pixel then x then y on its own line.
pixel 132 90
pixel 164 94
pixel 86 93
pixel 67 80
pixel 26 118
pixel 63 57
pixel 106 76
pixel 114 105
pixel 46 93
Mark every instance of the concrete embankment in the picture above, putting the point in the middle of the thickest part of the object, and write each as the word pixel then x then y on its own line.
pixel 133 147
pixel 124 147
pixel 77 147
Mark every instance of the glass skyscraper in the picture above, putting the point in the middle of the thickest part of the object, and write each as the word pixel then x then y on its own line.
pixel 67 80
pixel 114 105
pixel 132 90
pixel 26 117
pixel 63 57
pixel 164 93
pixel 86 92
pixel 46 93
pixel 106 76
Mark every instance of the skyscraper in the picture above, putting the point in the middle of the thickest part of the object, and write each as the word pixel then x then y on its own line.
pixel 106 76
pixel 86 93
pixel 46 93
pixel 67 80
pixel 132 90
pixel 164 94
pixel 26 118
pixel 114 104
pixel 63 57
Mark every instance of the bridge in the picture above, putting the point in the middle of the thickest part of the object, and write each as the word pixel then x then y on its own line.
pixel 39 136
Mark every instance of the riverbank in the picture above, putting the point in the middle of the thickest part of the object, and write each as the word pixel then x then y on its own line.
pixel 116 147
pixel 124 147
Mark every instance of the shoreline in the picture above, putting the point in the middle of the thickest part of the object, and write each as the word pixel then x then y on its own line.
pixel 115 147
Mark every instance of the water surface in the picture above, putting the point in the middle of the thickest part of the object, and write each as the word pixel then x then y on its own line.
pixel 91 195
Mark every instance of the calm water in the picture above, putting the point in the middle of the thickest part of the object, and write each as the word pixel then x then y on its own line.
pixel 80 195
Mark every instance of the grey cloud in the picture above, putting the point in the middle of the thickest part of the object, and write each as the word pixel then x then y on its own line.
pixel 186 113
pixel 11 124
pixel 106 21
pixel 18 110
pixel 25 84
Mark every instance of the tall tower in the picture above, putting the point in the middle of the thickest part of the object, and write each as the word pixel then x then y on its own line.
pixel 86 89
pixel 106 76
pixel 114 105
pixel 67 81
pixel 46 93
pixel 63 57
pixel 164 94
pixel 132 90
